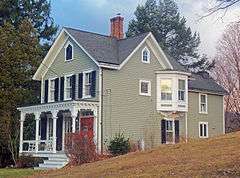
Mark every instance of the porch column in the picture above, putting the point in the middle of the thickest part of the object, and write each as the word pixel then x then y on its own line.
pixel 74 114
pixel 54 117
pixel 22 118
pixel 37 118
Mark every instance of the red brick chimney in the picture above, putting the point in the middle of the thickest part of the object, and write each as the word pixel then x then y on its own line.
pixel 117 27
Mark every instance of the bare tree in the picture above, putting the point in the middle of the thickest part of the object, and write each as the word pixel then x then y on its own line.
pixel 220 5
pixel 227 67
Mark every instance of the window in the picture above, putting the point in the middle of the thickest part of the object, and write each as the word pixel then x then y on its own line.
pixel 203 103
pixel 146 55
pixel 69 52
pixel 68 87
pixel 51 90
pixel 169 131
pixel 87 84
pixel 203 129
pixel 166 89
pixel 145 88
pixel 181 90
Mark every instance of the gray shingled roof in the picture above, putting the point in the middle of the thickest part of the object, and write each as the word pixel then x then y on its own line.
pixel 205 83
pixel 106 49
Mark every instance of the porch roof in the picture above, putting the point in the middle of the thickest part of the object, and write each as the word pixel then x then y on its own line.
pixel 61 105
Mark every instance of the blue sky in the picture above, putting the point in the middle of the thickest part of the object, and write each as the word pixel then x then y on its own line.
pixel 94 15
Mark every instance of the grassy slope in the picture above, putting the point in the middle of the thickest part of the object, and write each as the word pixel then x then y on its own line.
pixel 15 172
pixel 218 157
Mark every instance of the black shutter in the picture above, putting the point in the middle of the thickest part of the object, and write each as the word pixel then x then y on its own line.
pixel 46 92
pixel 163 126
pixel 93 84
pixel 176 122
pixel 73 86
pixel 80 85
pixel 61 88
pixel 56 89
pixel 43 124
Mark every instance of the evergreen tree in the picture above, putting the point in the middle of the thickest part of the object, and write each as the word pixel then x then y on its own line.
pixel 19 57
pixel 170 30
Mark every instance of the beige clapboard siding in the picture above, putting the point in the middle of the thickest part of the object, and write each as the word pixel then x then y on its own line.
pixel 81 62
pixel 124 109
pixel 214 116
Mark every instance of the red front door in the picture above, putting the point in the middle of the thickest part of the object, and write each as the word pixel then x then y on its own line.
pixel 87 126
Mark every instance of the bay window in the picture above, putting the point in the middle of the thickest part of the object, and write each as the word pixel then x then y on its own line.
pixel 166 89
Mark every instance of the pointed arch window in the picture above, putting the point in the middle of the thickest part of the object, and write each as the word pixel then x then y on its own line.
pixel 69 52
pixel 145 55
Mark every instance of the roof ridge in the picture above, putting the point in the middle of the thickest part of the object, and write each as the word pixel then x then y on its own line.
pixel 134 36
pixel 84 31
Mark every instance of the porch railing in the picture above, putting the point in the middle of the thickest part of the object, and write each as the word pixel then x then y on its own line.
pixel 43 145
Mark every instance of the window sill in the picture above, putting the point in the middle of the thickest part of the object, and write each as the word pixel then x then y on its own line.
pixel 146 62
pixel 203 113
pixel 87 97
pixel 68 60
pixel 144 94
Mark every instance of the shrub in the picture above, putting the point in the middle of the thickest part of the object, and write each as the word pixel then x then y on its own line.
pixel 80 148
pixel 28 162
pixel 119 145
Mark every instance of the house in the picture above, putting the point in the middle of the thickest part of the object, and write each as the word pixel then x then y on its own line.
pixel 106 84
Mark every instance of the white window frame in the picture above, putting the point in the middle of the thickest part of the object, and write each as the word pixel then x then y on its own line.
pixel 148 56
pixel 49 89
pixel 173 130
pixel 84 80
pixel 203 112
pixel 199 128
pixel 172 91
pixel 65 86
pixel 65 51
pixel 149 87
pixel 181 90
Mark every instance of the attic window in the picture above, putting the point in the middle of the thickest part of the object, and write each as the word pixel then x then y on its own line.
pixel 145 55
pixel 69 52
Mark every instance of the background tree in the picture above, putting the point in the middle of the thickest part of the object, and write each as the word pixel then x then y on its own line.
pixel 26 32
pixel 227 68
pixel 169 28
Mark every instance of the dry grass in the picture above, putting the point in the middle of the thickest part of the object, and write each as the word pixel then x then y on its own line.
pixel 218 157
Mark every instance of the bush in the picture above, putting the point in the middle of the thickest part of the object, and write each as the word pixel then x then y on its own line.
pixel 80 148
pixel 119 145
pixel 28 162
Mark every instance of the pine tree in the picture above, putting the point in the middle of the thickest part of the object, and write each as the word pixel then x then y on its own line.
pixel 170 30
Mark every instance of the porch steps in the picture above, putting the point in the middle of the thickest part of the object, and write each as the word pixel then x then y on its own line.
pixel 53 161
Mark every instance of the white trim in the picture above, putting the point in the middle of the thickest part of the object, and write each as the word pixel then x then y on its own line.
pixel 148 55
pixel 207 92
pixel 65 51
pixel 204 123
pixel 36 77
pixel 172 72
pixel 109 66
pixel 203 112
pixel 186 127
pixel 49 89
pixel 224 131
pixel 100 111
pixel 149 87
pixel 65 84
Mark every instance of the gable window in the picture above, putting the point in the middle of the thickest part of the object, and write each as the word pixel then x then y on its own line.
pixel 68 52
pixel 166 89
pixel 203 130
pixel 51 90
pixel 87 84
pixel 181 90
pixel 145 55
pixel 203 103
pixel 68 87
pixel 144 88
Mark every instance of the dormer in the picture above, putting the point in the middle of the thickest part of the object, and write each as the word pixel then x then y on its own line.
pixel 172 91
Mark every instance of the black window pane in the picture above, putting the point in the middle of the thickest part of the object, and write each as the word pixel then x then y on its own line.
pixel 201 130
pixel 69 52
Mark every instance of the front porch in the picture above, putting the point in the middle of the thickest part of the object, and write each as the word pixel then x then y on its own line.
pixel 53 121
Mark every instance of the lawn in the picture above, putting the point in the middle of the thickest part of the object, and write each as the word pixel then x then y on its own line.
pixel 8 172
pixel 218 157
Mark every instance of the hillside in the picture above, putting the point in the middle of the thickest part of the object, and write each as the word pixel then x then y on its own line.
pixel 218 157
